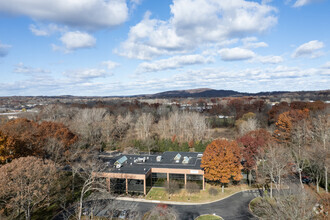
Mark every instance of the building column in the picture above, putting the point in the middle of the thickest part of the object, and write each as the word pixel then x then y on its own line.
pixel 185 181
pixel 144 186
pixel 203 182
pixel 168 177
pixel 126 186
pixel 108 184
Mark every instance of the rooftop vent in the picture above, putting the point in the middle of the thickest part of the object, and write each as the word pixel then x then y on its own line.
pixel 185 160
pixel 140 160
pixel 177 157
pixel 119 162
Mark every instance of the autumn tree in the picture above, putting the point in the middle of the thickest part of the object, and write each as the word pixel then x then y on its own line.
pixel 25 184
pixel 253 146
pixel 276 110
pixel 8 147
pixel 285 124
pixel 221 161
pixel 48 139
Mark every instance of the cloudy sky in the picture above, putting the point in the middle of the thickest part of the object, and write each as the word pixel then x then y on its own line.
pixel 118 47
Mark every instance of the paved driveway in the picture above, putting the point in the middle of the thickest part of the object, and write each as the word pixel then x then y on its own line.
pixel 233 207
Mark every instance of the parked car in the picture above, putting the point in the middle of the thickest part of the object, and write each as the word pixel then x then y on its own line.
pixel 115 213
pixel 123 214
pixel 133 215
pixel 306 179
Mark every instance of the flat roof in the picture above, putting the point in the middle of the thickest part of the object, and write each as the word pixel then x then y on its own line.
pixel 133 166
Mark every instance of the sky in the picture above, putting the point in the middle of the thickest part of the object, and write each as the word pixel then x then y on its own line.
pixel 129 47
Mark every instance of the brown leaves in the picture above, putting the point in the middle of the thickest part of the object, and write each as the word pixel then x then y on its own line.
pixel 26 182
pixel 221 161
pixel 286 121
pixel 25 137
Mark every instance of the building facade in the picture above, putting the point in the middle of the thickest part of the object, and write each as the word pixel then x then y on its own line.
pixel 125 173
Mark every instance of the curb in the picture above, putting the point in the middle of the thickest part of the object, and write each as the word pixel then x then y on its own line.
pixel 251 209
pixel 209 214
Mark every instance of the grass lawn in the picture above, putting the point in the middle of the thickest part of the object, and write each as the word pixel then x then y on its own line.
pixel 208 217
pixel 203 196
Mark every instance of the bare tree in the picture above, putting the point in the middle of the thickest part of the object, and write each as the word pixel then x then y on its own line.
pixel 108 128
pixel 251 124
pixel 287 205
pixel 321 130
pixel 122 126
pixel 299 146
pixel 25 183
pixel 162 128
pixel 276 164
pixel 186 126
pixel 143 126
pixel 317 163
pixel 172 187
pixel 87 170
pixel 88 123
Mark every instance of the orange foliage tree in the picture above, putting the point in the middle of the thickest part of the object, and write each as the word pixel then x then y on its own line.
pixel 221 161
pixel 29 138
pixel 7 148
pixel 285 122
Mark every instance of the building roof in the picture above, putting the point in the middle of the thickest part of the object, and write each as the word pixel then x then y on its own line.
pixel 135 165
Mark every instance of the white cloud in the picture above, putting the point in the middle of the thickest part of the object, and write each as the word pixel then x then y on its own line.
pixel 269 59
pixel 46 30
pixel 89 14
pixel 172 63
pixel 300 3
pixel 203 22
pixel 248 80
pixel 311 49
pixel 4 49
pixel 110 64
pixel 236 53
pixel 151 38
pixel 21 68
pixel 77 40
pixel 326 65
pixel 84 74
pixel 252 42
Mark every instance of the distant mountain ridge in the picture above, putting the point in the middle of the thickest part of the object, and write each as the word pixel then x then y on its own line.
pixel 207 93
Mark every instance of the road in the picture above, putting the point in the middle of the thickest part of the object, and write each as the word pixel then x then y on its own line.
pixel 233 207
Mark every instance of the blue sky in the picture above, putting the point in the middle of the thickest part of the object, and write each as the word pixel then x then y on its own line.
pixel 118 47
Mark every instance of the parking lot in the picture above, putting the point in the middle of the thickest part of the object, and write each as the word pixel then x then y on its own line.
pixel 112 208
